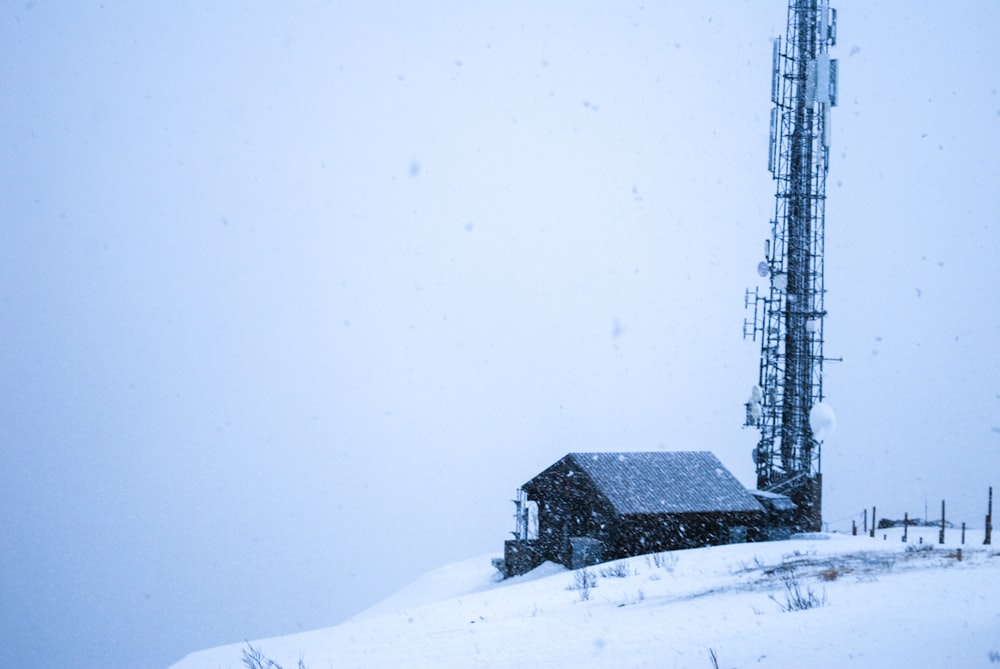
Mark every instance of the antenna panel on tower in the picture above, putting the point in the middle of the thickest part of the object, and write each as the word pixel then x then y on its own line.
pixel 833 82
pixel 772 146
pixel 775 69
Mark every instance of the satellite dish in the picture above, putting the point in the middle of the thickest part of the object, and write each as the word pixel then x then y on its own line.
pixel 822 421
pixel 763 269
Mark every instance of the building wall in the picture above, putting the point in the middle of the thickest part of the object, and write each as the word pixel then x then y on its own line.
pixel 568 507
pixel 637 535
pixel 565 518
pixel 562 518
pixel 520 557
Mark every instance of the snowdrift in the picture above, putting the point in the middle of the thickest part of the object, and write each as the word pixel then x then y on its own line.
pixel 816 601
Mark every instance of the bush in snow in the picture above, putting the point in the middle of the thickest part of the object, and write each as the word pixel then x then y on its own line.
pixel 714 658
pixel 830 574
pixel 796 599
pixel 583 581
pixel 255 659
pixel 617 570
pixel 665 561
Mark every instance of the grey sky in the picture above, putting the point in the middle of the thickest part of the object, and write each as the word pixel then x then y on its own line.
pixel 295 295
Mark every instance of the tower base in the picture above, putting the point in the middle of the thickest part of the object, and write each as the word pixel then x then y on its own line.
pixel 808 497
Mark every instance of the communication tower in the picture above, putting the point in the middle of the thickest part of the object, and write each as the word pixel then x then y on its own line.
pixel 788 315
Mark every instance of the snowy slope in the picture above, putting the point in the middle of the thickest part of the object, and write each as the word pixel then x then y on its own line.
pixel 461 578
pixel 887 604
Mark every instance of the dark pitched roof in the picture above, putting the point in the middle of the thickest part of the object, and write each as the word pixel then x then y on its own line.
pixel 662 482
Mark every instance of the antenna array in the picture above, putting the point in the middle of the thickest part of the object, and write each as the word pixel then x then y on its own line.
pixel 788 317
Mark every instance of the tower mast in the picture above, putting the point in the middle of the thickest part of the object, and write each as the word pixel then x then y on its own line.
pixel 789 316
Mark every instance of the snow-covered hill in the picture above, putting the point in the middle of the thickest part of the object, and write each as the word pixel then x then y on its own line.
pixel 875 603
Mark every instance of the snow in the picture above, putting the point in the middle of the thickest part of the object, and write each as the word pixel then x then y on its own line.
pixel 461 578
pixel 887 603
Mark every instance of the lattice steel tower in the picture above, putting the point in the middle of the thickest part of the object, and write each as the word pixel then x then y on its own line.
pixel 789 316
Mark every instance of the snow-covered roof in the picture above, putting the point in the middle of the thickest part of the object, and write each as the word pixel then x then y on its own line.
pixel 653 482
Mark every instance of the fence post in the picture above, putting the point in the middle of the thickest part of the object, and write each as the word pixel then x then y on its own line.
pixel 854 528
pixel 873 521
pixel 963 532
pixel 989 519
pixel 906 525
pixel 941 535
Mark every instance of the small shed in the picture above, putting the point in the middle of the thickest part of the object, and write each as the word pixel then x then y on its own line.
pixel 595 507
pixel 780 516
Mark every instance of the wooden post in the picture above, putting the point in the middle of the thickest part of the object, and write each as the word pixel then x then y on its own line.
pixel 854 528
pixel 873 522
pixel 941 534
pixel 866 521
pixel 989 519
pixel 963 532
pixel 906 525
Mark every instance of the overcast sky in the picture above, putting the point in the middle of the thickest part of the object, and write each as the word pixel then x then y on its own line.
pixel 296 295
